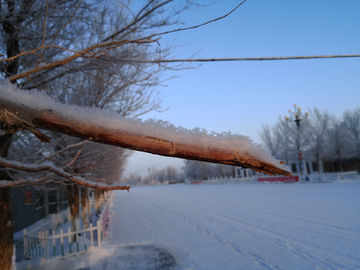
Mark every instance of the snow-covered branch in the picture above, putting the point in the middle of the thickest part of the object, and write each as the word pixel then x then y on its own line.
pixel 37 168
pixel 161 138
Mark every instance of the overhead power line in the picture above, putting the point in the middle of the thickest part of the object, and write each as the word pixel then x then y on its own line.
pixel 244 58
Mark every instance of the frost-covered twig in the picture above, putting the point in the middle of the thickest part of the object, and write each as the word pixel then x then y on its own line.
pixel 31 168
pixel 90 52
pixel 75 158
pixel 196 26
pixel 63 150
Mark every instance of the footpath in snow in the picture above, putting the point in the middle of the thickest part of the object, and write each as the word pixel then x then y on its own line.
pixel 230 226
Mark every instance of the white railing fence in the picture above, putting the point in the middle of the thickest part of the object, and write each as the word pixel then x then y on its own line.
pixel 48 243
pixel 39 244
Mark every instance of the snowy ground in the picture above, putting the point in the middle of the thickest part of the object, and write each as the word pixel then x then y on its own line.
pixel 230 226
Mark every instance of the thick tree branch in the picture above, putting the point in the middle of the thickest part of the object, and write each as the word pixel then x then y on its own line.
pixel 50 119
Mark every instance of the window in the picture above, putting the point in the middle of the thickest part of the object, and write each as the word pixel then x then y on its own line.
pixel 314 167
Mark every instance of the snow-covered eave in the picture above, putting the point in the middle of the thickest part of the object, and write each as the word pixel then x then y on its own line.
pixel 32 111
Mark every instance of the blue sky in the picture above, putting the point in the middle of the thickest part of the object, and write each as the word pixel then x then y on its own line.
pixel 241 96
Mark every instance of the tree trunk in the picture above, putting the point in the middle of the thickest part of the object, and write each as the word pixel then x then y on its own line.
pixel 6 229
pixel 84 207
pixel 6 221
pixel 341 165
pixel 333 166
pixel 97 202
pixel 74 202
pixel 318 166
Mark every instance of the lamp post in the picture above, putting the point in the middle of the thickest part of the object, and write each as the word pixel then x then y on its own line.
pixel 297 116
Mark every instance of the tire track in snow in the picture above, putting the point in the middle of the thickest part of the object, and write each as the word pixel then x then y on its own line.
pixel 343 230
pixel 297 251
pixel 152 229
pixel 294 250
pixel 275 224
pixel 234 247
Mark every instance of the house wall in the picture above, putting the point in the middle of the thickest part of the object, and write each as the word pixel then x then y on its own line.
pixel 42 204
pixel 25 214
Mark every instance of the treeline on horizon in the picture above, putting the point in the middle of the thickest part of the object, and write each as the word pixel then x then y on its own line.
pixel 319 136
pixel 192 170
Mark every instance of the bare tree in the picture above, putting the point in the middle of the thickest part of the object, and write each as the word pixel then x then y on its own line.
pixel 285 139
pixel 317 131
pixel 339 144
pixel 74 50
pixel 320 136
pixel 271 138
pixel 352 122
pixel 172 173
pixel 285 142
pixel 90 53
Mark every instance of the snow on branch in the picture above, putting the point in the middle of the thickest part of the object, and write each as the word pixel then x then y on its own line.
pixel 162 138
pixel 37 168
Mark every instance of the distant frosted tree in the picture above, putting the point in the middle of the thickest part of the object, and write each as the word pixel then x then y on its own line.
pixel 199 170
pixel 339 143
pixel 271 138
pixel 352 122
pixel 316 133
pixel 172 173
pixel 283 136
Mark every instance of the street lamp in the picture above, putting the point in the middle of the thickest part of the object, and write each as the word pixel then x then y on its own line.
pixel 297 116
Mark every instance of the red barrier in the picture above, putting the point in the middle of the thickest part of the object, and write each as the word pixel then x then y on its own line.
pixel 195 182
pixel 285 179
pixel 105 219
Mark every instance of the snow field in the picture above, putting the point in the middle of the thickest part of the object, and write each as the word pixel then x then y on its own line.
pixel 229 226
pixel 245 226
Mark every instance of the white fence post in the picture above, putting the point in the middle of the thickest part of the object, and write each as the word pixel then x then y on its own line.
pixel 31 246
pixel 84 239
pixel 91 235
pixel 38 246
pixel 53 235
pixel 70 242
pixel 25 238
pixel 47 244
pixel 62 242
pixel 42 245
pixel 98 223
